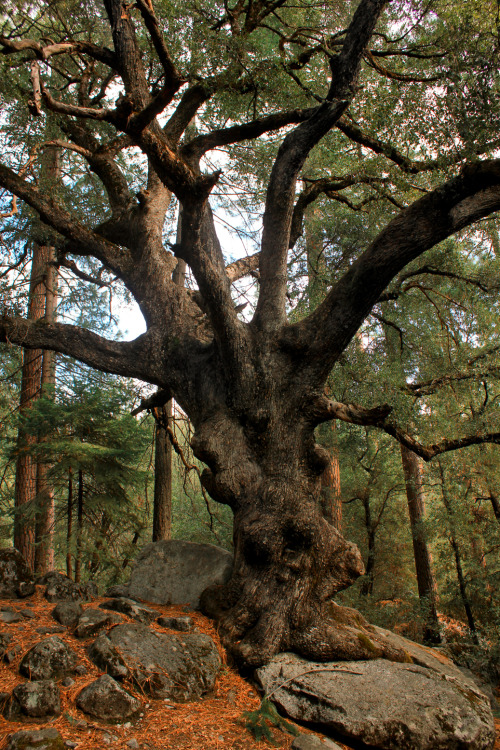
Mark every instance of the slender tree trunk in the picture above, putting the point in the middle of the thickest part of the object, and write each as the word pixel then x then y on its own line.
pixel 427 589
pixel 495 504
pixel 105 525
pixel 69 526
pixel 162 506
pixel 462 585
pixel 45 518
pixel 79 528
pixel 25 487
pixel 371 530
pixel 135 539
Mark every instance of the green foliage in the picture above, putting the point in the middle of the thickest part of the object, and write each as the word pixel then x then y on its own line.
pixel 258 722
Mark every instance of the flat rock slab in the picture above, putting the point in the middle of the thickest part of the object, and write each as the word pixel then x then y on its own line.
pixel 8 617
pixel 177 572
pixel 180 668
pixel 41 739
pixel 16 580
pixel 131 608
pixel 107 700
pixel 310 742
pixel 37 700
pixel 184 624
pixel 387 705
pixel 92 621
pixel 47 659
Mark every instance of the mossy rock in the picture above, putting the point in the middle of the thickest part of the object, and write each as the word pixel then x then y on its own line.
pixel 41 739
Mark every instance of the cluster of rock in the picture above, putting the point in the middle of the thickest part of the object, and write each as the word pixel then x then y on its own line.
pixel 424 704
pixel 179 666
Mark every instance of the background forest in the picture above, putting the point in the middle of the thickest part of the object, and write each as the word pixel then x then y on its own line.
pixel 429 532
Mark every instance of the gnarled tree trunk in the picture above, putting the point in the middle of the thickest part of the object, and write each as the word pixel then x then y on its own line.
pixel 254 390
pixel 289 560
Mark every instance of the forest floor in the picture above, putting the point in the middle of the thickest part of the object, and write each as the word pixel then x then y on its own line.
pixel 215 723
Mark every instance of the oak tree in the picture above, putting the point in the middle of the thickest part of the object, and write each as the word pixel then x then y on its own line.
pixel 120 85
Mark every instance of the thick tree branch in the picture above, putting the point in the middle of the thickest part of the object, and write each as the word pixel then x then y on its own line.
pixel 461 201
pixel 43 52
pixel 237 133
pixel 242 267
pixel 200 248
pixel 131 359
pixel 84 241
pixel 378 417
pixel 100 161
pixel 173 77
pixel 270 312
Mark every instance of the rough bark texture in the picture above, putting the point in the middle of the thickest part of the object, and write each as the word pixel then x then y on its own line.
pixel 254 390
pixel 45 516
pixel 289 561
pixel 162 505
pixel 69 525
pixel 26 468
pixel 79 527
pixel 331 500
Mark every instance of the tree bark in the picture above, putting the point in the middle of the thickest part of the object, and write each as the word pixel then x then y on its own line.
pixel 104 527
pixel 162 505
pixel 254 391
pixel 462 585
pixel 371 532
pixel 288 560
pixel 69 525
pixel 495 503
pixel 331 499
pixel 79 528
pixel 427 588
pixel 45 517
pixel 25 487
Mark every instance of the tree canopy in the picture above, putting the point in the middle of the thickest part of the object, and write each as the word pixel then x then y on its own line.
pixel 383 116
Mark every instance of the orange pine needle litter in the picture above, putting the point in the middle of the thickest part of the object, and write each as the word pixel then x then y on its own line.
pixel 213 723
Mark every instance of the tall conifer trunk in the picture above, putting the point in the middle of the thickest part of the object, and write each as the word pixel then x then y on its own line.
pixel 162 505
pixel 69 525
pixel 331 497
pixel 45 517
pixel 427 589
pixel 79 527
pixel 26 470
pixel 462 584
